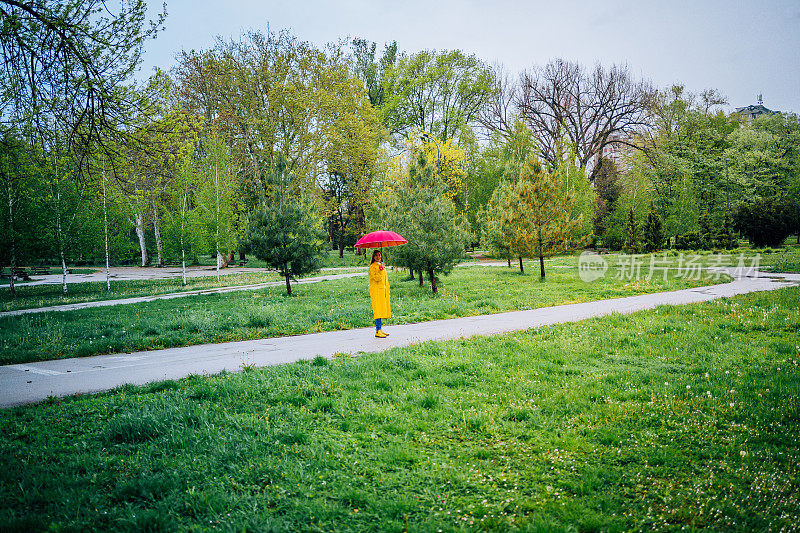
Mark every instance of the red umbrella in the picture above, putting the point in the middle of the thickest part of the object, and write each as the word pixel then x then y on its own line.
pixel 380 239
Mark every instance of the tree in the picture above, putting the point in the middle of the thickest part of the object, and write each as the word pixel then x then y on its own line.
pixel 371 72
pixel 286 232
pixel 765 221
pixel 421 210
pixel 441 93
pixel 64 63
pixel 633 238
pixel 608 189
pixel 15 167
pixel 539 220
pixel 562 98
pixel 214 197
pixel 350 134
pixel 652 230
pixel 680 167
pixel 491 218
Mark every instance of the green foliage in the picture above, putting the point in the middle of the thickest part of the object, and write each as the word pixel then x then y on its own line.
pixel 212 219
pixel 652 231
pixel 437 92
pixel 421 210
pixel 538 215
pixel 692 240
pixel 491 220
pixel 633 237
pixel 287 231
pixel 766 221
pixel 725 238
pixel 501 160
pixel 608 190
pixel 699 163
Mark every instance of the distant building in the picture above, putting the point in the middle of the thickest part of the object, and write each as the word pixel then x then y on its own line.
pixel 752 111
pixel 614 150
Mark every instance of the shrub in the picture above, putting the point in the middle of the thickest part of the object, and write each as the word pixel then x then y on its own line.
pixel 765 222
pixel 689 241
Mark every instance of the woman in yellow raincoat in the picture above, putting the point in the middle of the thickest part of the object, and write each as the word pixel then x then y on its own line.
pixel 379 292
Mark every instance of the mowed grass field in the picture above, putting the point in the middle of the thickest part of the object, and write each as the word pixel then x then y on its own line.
pixel 325 306
pixel 679 418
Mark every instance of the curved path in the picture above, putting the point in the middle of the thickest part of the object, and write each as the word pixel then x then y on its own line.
pixel 33 382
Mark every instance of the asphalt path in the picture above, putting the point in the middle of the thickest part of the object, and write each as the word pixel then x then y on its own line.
pixel 33 382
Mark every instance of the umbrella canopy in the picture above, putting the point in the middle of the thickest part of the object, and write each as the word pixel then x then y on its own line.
pixel 380 239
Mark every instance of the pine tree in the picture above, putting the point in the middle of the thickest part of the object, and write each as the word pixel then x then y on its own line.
pixel 633 244
pixel 653 231
pixel 539 221
pixel 490 219
pixel 423 212
pixel 286 231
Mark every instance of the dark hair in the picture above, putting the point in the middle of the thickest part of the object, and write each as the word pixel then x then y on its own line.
pixel 378 251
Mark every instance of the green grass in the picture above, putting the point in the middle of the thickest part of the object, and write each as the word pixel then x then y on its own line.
pixel 330 305
pixel 671 419
pixel 34 296
pixel 786 259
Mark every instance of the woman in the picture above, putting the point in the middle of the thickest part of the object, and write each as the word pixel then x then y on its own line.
pixel 379 292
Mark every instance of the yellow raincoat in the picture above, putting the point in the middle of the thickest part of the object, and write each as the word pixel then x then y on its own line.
pixel 379 291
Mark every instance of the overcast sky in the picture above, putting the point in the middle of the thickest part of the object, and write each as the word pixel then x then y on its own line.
pixel 741 48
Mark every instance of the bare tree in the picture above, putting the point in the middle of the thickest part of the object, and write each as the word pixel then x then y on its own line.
pixel 499 112
pixel 591 109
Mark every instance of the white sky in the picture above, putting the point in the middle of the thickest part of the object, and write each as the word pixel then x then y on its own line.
pixel 742 48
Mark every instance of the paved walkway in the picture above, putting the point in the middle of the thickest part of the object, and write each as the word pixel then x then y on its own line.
pixel 34 382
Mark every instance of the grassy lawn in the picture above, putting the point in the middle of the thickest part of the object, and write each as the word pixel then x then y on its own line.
pixel 786 259
pixel 330 305
pixel 677 418
pixel 34 296
pixel 28 297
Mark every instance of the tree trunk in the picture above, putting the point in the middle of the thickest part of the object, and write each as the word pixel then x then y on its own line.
pixel 288 285
pixel 105 231
pixel 140 234
pixel 541 254
pixel 509 261
pixel 60 240
pixel 433 280
pixel 11 234
pixel 157 231
pixel 216 189
pixel 420 277
pixel 242 256
pixel 521 269
pixel 183 248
